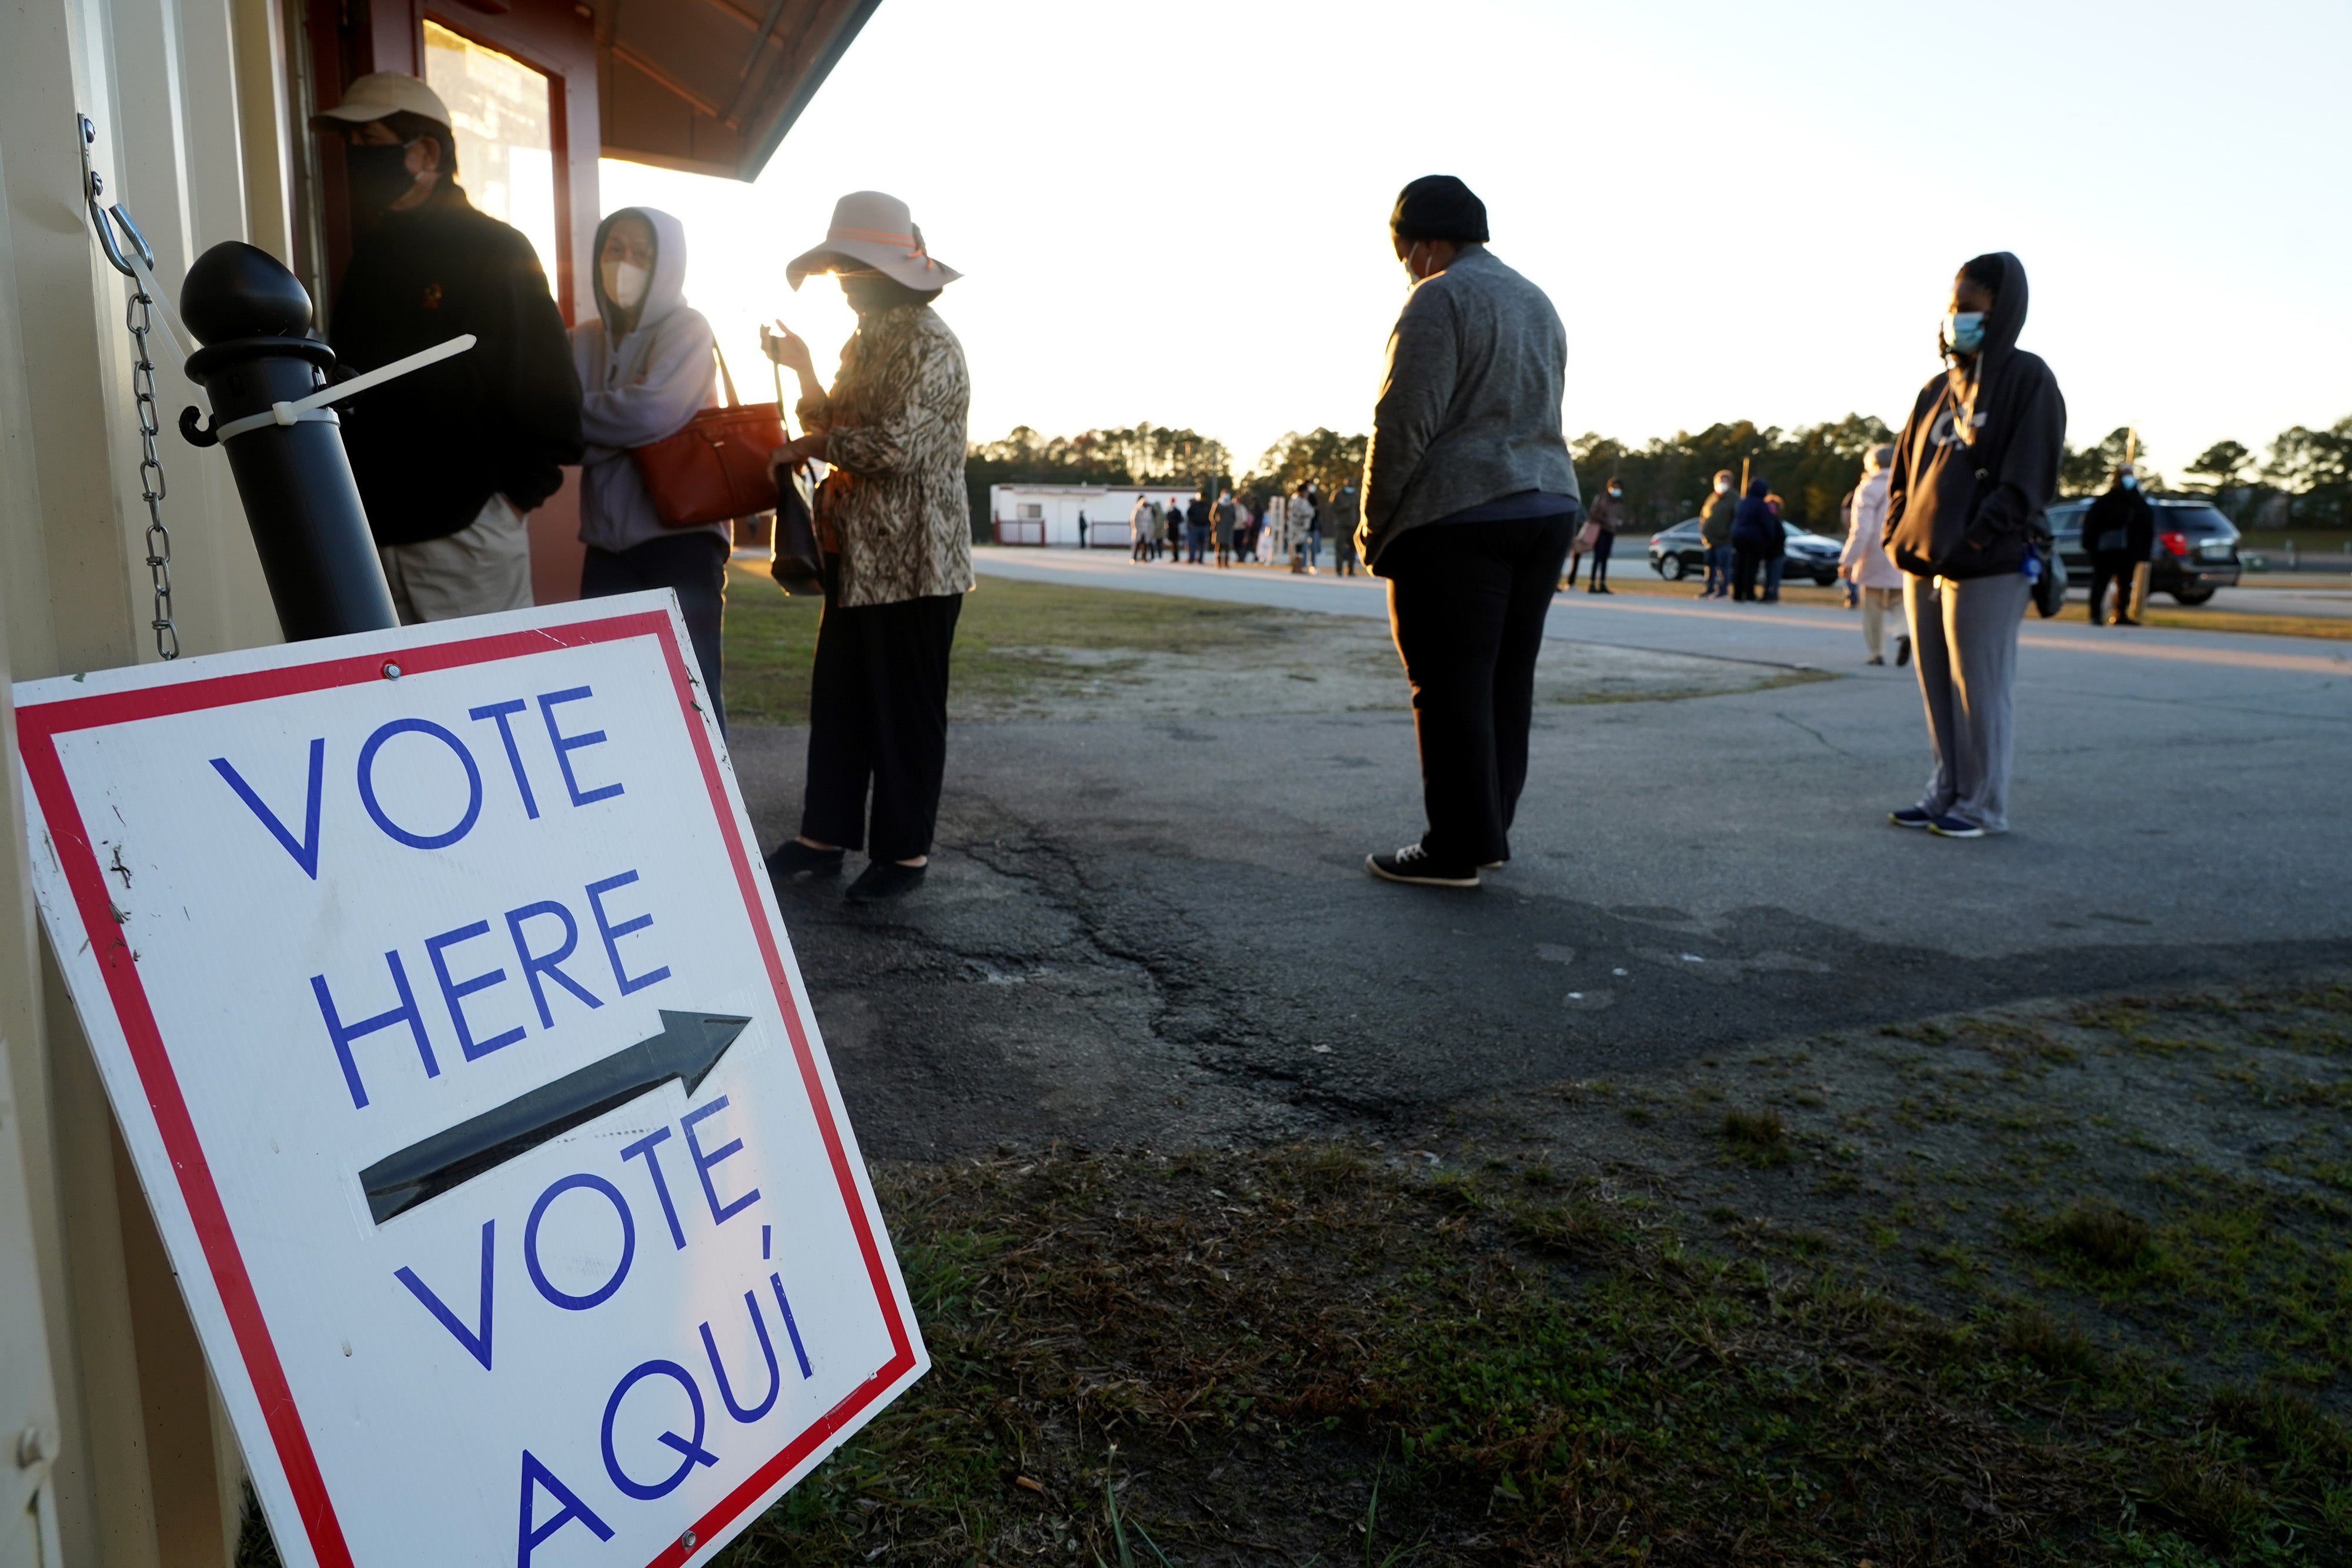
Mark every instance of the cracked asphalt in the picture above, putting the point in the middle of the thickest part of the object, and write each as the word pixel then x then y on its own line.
pixel 1159 932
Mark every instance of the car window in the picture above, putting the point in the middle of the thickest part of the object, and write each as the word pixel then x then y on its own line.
pixel 2196 520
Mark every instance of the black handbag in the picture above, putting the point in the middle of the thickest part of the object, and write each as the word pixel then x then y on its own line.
pixel 2050 587
pixel 797 560
pixel 797 565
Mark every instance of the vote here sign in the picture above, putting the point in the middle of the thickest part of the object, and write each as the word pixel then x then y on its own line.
pixel 438 988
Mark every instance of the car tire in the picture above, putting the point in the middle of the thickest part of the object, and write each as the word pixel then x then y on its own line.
pixel 1673 569
pixel 1825 579
pixel 2193 597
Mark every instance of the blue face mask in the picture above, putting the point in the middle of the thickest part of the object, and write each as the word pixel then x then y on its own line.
pixel 1964 330
pixel 2130 482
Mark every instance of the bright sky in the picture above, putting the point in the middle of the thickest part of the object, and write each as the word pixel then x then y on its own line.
pixel 1178 213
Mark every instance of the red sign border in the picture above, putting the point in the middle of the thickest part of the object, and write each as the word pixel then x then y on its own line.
pixel 37 726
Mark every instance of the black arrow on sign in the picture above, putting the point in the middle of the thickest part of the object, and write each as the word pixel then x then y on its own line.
pixel 687 1048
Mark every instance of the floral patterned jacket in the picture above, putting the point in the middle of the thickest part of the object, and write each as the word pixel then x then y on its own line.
pixel 895 506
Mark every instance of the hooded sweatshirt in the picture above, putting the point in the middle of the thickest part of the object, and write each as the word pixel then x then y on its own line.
pixel 1756 525
pixel 2120 523
pixel 1977 459
pixel 638 389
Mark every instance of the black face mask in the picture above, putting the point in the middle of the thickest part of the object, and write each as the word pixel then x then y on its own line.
pixel 377 176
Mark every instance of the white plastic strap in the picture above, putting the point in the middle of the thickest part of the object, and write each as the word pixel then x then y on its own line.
pixel 314 409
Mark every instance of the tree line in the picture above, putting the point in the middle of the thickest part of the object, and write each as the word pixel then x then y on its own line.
pixel 2305 479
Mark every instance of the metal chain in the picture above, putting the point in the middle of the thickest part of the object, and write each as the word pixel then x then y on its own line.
pixel 139 317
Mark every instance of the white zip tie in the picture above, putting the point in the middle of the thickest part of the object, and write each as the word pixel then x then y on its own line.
pixel 314 408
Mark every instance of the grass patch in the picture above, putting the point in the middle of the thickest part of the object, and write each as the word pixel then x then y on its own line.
pixel 770 639
pixel 1758 1137
pixel 1312 1354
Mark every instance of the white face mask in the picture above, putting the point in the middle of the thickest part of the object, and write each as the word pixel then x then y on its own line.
pixel 625 283
pixel 1723 488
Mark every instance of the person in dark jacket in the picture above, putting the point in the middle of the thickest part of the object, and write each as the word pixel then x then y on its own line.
pixel 1754 531
pixel 1470 501
pixel 1608 515
pixel 1345 514
pixel 1196 528
pixel 1974 471
pixel 2119 533
pixel 1714 533
pixel 451 457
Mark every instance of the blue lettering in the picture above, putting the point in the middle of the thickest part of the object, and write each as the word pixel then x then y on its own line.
pixel 453 993
pixel 343 1034
pixel 621 1271
pixel 528 1540
pixel 477 1342
pixel 702 1162
pixel 367 784
pixel 306 852
pixel 690 1446
pixel 534 966
pixel 791 1327
pixel 645 1146
pixel 612 934
pixel 775 1378
pixel 565 745
pixel 500 711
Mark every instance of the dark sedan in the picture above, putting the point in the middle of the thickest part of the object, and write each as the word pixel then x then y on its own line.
pixel 1676 553
pixel 2196 548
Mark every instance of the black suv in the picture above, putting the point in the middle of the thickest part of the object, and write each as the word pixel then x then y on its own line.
pixel 2196 548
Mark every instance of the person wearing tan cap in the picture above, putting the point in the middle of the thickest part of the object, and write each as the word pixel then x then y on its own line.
pixel 448 458
pixel 896 524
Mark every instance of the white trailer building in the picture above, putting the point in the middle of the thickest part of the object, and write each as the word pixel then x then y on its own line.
pixel 1048 514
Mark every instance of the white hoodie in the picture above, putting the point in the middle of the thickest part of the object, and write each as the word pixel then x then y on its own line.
pixel 638 390
pixel 1865 556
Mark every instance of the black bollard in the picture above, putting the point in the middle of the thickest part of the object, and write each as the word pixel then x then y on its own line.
pixel 250 313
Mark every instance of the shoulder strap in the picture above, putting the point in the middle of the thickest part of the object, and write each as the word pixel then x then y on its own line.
pixel 732 400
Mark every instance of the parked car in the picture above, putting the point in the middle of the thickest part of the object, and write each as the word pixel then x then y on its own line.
pixel 1676 553
pixel 2196 549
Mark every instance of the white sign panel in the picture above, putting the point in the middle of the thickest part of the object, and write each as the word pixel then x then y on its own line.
pixel 441 995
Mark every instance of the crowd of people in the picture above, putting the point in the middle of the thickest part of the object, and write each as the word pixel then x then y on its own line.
pixel 1291 529
pixel 1469 507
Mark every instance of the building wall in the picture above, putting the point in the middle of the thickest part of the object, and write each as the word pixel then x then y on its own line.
pixel 145 1474
pixel 1106 508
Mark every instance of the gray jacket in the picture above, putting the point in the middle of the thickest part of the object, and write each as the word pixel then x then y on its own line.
pixel 1469 410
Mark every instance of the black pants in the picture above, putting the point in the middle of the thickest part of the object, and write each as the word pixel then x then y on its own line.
pixel 1746 561
pixel 878 717
pixel 695 566
pixel 1466 601
pixel 1602 544
pixel 2113 568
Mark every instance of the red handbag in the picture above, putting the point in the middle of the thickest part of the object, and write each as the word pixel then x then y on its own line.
pixel 717 467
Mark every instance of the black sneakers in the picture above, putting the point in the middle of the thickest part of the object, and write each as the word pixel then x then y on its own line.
pixel 883 880
pixel 1412 864
pixel 793 858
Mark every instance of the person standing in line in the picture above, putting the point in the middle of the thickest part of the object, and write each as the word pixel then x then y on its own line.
pixel 1714 533
pixel 1298 523
pixel 1470 499
pixel 1142 530
pixel 648 361
pixel 1974 471
pixel 1223 519
pixel 1752 526
pixel 451 458
pixel 896 523
pixel 1175 529
pixel 1776 550
pixel 2119 533
pixel 1318 528
pixel 1345 514
pixel 1870 573
pixel 1198 519
pixel 1082 528
pixel 1607 517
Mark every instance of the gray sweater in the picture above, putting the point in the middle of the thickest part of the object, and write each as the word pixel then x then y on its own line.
pixel 1469 410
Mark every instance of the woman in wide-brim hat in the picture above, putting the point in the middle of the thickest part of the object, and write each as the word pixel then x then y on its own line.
pixel 896 526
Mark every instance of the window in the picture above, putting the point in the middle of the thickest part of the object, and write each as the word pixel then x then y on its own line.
pixel 1030 510
pixel 505 122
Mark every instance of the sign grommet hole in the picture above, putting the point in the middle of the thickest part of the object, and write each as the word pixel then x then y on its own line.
pixel 390 672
